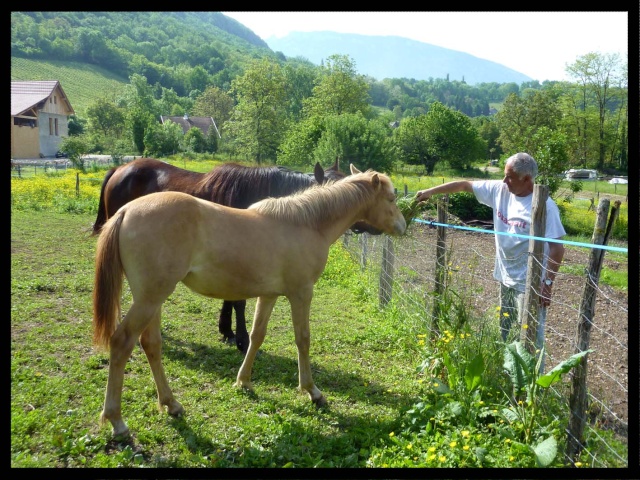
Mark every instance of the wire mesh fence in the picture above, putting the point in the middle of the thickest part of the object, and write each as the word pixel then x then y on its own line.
pixel 469 272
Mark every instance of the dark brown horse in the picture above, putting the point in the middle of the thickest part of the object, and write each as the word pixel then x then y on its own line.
pixel 229 184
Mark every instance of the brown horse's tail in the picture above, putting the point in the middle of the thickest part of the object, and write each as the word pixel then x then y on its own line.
pixel 102 217
pixel 108 282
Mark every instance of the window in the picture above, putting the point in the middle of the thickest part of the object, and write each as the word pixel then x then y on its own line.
pixel 51 126
pixel 56 126
pixel 24 122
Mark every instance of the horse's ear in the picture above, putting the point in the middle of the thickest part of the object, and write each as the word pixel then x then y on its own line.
pixel 375 180
pixel 353 169
pixel 318 173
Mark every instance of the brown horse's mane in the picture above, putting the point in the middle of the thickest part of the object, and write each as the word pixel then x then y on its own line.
pixel 239 185
pixel 320 203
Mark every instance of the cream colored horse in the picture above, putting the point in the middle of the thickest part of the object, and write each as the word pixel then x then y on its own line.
pixel 276 247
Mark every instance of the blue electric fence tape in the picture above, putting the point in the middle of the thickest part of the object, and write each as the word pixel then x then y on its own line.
pixel 565 242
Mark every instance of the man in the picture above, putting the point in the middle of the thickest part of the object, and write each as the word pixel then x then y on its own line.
pixel 511 200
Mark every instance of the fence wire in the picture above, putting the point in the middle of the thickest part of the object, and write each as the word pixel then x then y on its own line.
pixel 470 263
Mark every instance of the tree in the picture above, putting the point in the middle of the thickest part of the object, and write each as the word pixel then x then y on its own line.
pixel 194 141
pixel 441 134
pixel 214 103
pixel 340 90
pixel 106 117
pixel 520 118
pixel 549 148
pixel 595 74
pixel 163 139
pixel 300 79
pixel 354 139
pixel 258 121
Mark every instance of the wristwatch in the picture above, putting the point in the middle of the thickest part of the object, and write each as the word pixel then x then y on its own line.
pixel 548 282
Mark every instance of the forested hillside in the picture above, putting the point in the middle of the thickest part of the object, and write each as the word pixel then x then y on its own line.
pixel 271 108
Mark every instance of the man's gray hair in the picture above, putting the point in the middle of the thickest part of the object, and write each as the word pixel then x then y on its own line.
pixel 523 164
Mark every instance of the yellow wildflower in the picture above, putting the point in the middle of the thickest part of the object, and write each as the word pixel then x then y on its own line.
pixel 453 444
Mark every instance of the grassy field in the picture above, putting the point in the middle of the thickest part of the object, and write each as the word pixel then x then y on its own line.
pixel 83 83
pixel 365 360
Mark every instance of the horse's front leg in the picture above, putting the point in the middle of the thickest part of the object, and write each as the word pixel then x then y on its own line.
pixel 242 336
pixel 300 308
pixel 224 322
pixel 264 307
pixel 151 342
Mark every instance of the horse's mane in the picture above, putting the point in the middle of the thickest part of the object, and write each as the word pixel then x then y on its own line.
pixel 239 185
pixel 320 203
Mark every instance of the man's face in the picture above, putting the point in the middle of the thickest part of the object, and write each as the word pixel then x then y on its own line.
pixel 520 187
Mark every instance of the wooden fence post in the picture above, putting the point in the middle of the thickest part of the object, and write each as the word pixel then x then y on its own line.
pixel 529 314
pixel 441 261
pixel 363 250
pixel 77 184
pixel 385 291
pixel 578 397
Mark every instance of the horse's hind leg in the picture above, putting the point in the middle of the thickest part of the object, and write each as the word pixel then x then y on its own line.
pixel 264 307
pixel 242 336
pixel 121 345
pixel 224 322
pixel 151 342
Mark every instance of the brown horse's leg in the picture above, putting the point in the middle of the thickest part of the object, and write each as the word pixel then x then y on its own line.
pixel 300 308
pixel 264 307
pixel 121 345
pixel 151 342
pixel 224 322
pixel 242 336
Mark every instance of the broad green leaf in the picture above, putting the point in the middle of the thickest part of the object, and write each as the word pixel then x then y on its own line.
pixel 556 373
pixel 546 451
pixel 473 374
pixel 518 363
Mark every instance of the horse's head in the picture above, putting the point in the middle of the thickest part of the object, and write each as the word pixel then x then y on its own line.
pixel 384 215
pixel 333 173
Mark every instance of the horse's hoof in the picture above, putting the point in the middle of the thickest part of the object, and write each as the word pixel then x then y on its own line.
pixel 229 340
pixel 243 384
pixel 320 402
pixel 120 430
pixel 175 408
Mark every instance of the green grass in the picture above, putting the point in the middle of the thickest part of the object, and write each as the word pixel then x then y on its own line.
pixel 364 360
pixel 83 83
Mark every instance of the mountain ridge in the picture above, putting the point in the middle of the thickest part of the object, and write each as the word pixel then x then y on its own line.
pixel 394 57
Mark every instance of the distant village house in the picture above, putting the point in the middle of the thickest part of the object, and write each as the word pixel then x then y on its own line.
pixel 187 122
pixel 40 113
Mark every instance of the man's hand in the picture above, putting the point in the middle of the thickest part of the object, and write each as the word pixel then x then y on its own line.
pixel 423 195
pixel 545 294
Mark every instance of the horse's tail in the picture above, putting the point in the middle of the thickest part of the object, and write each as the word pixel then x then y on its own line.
pixel 101 219
pixel 108 282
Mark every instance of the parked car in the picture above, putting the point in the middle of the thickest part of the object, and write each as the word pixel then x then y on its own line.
pixel 60 154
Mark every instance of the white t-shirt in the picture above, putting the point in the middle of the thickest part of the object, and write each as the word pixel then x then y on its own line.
pixel 512 214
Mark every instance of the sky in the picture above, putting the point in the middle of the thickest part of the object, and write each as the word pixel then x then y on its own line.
pixel 537 44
